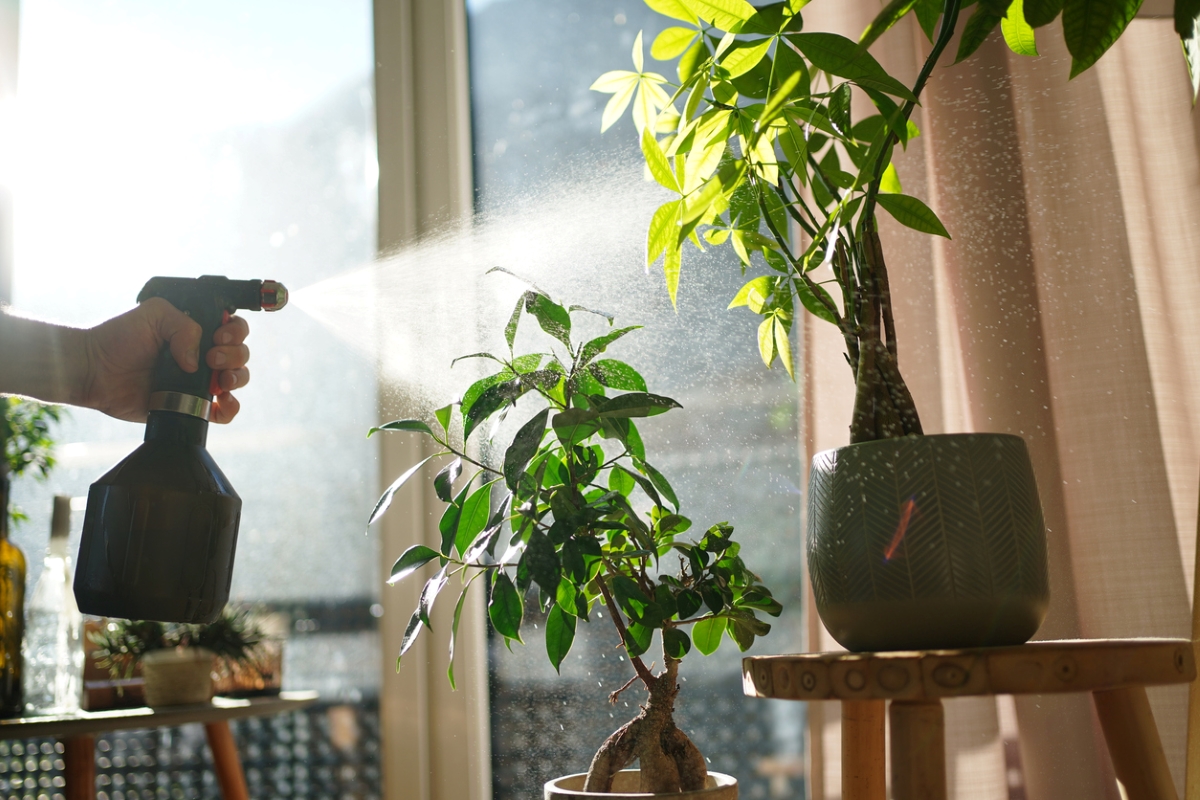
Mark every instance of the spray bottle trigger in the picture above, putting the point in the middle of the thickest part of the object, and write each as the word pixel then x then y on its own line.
pixel 214 385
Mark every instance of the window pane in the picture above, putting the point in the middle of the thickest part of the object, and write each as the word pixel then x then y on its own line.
pixel 224 138
pixel 576 202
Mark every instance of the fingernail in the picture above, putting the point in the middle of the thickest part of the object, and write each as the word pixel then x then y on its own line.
pixel 219 359
pixel 224 337
pixel 193 359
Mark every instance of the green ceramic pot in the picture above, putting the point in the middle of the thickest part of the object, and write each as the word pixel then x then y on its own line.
pixel 927 542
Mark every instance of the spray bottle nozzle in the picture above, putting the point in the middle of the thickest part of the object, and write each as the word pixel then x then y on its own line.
pixel 274 295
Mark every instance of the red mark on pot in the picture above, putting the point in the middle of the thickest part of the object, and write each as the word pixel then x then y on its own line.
pixel 906 513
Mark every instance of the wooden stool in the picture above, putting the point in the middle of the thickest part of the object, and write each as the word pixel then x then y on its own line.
pixel 1115 671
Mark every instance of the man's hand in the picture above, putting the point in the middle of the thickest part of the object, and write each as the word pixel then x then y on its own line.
pixel 121 354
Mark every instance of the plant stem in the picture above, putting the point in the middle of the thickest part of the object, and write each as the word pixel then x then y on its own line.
pixel 639 666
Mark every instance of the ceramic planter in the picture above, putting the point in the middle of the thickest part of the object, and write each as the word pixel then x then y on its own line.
pixel 927 542
pixel 625 785
pixel 178 676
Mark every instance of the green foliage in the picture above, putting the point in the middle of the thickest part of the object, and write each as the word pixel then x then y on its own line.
pixel 587 519
pixel 25 434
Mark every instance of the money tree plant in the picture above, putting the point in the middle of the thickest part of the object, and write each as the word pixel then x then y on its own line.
pixel 571 516
pixel 758 142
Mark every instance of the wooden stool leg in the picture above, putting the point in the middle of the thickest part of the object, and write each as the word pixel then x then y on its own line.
pixel 1133 742
pixel 79 758
pixel 918 750
pixel 863 764
pixel 226 762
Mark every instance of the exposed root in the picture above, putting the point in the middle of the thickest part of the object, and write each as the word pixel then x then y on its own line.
pixel 668 760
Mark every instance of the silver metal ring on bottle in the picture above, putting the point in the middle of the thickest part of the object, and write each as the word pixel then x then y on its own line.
pixel 181 403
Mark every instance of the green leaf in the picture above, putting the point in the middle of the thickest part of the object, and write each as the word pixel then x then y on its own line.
pixel 745 56
pixel 552 317
pixel 812 304
pixel 448 524
pixel 617 375
pixel 510 330
pixel 753 294
pixel 671 42
pixel 403 425
pixel 978 28
pixel 912 213
pixel 646 484
pixel 629 596
pixel 1091 26
pixel 598 345
pixel 777 102
pixel 412 560
pixel 676 9
pixel 505 609
pixel 619 480
pixel 542 561
pixel 560 634
pixel 676 643
pixel 386 499
pixel 443 416
pixel 660 482
pixel 574 425
pixel 660 168
pixel 928 13
pixel 410 635
pixel 892 13
pixel 687 603
pixel 664 226
pixel 639 640
pixel 707 634
pixel 474 517
pixel 429 593
pixel 890 182
pixel 443 483
pixel 1042 12
pixel 524 445
pixel 476 390
pixel 726 15
pixel 672 266
pixel 839 110
pixel 492 400
pixel 1018 34
pixel 766 341
pixel 635 404
pixel 842 57
pixel 691 60
pixel 783 346
pixel 458 607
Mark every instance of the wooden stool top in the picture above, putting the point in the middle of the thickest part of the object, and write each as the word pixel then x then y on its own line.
pixel 1077 665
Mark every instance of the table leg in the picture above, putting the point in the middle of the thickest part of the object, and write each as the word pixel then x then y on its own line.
pixel 1134 744
pixel 918 750
pixel 79 758
pixel 863 764
pixel 226 762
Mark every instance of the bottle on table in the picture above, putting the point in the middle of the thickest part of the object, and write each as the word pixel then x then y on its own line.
pixel 53 647
pixel 12 610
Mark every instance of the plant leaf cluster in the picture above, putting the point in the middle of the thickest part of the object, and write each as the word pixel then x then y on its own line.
pixel 120 643
pixel 25 433
pixel 585 518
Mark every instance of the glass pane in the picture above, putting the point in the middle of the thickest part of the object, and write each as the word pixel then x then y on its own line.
pixel 237 139
pixel 576 203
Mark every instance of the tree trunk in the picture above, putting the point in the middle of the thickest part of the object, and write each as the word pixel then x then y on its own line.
pixel 668 760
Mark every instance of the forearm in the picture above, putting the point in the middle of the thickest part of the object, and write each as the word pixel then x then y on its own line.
pixel 41 360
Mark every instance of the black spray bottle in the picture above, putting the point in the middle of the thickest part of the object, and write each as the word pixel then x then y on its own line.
pixel 161 526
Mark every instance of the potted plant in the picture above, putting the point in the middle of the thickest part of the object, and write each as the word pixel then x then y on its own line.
pixel 570 515
pixel 177 660
pixel 913 541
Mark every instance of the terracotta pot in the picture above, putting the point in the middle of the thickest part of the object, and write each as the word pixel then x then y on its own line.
pixel 179 676
pixel 927 542
pixel 625 785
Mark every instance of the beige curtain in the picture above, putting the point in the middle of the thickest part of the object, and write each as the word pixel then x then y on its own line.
pixel 1067 310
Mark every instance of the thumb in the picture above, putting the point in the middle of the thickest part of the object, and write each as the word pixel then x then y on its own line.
pixel 181 331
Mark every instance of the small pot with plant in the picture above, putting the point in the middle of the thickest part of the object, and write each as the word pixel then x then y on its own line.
pixel 913 541
pixel 177 661
pixel 573 515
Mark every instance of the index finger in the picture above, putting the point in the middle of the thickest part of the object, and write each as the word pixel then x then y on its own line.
pixel 233 332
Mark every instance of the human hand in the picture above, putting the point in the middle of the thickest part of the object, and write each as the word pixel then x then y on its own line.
pixel 122 352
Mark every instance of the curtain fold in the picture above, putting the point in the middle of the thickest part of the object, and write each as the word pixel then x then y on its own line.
pixel 1063 310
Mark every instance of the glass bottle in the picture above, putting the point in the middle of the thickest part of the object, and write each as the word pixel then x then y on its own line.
pixel 12 610
pixel 53 649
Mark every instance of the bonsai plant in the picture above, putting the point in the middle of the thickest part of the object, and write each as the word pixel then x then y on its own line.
pixel 176 659
pixel 569 514
pixel 913 541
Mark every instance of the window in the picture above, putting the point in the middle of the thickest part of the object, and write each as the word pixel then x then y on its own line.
pixel 237 139
pixel 545 173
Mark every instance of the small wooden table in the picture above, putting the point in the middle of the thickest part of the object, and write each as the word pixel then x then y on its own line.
pixel 1115 671
pixel 77 733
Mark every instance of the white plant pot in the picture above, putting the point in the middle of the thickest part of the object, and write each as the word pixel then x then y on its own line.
pixel 625 785
pixel 179 676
